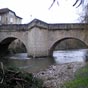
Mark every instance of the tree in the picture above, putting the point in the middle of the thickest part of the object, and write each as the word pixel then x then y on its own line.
pixel 80 2
pixel 84 15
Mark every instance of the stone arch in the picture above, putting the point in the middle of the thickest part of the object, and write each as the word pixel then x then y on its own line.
pixel 5 43
pixel 59 41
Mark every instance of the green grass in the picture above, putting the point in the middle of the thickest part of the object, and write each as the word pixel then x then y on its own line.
pixel 80 80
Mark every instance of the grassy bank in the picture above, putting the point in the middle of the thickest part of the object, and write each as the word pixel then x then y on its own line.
pixel 80 80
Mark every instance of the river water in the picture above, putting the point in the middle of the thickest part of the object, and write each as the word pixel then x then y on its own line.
pixel 37 64
pixel 68 56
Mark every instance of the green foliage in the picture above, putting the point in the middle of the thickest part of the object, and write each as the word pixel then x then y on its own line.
pixel 80 80
pixel 13 78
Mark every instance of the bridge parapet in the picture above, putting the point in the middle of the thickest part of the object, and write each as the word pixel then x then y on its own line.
pixel 68 26
pixel 51 26
pixel 43 25
pixel 38 23
pixel 14 27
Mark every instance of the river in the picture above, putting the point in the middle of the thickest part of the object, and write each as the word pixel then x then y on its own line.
pixel 37 64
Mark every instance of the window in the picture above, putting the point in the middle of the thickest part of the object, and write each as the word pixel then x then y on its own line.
pixel 11 20
pixel 0 18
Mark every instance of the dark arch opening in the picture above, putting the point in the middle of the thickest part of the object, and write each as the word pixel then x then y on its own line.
pixel 7 44
pixel 68 44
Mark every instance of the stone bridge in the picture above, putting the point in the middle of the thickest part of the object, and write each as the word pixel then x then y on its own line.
pixel 39 37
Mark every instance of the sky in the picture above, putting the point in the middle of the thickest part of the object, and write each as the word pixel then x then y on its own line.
pixel 31 9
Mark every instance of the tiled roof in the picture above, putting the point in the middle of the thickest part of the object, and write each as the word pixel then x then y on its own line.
pixel 6 10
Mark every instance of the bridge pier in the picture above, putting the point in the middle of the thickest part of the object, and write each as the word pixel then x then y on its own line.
pixel 37 51
pixel 37 54
pixel 38 43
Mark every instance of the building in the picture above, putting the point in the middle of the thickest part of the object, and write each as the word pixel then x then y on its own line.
pixel 8 16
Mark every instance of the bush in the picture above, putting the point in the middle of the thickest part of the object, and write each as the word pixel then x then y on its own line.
pixel 13 78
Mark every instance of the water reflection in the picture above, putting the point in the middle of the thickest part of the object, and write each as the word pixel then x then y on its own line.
pixel 67 56
pixel 37 64
pixel 28 64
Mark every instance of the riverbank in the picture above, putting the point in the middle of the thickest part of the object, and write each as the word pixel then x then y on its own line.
pixel 56 75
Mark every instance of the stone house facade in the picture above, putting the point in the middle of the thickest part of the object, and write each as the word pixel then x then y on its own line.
pixel 8 16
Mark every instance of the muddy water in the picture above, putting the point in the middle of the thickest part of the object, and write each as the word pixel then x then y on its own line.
pixel 28 64
pixel 37 64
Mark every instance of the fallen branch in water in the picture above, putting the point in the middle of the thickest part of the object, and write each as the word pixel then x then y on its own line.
pixel 2 68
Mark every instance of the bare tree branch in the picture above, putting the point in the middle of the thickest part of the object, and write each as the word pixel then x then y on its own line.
pixel 52 4
pixel 76 2
pixel 81 2
pixel 84 16
pixel 57 3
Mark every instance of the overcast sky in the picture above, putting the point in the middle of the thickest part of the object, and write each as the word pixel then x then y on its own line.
pixel 30 9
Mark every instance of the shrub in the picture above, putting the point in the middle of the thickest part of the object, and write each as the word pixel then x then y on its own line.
pixel 13 78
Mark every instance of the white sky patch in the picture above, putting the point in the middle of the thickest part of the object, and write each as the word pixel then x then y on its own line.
pixel 30 9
